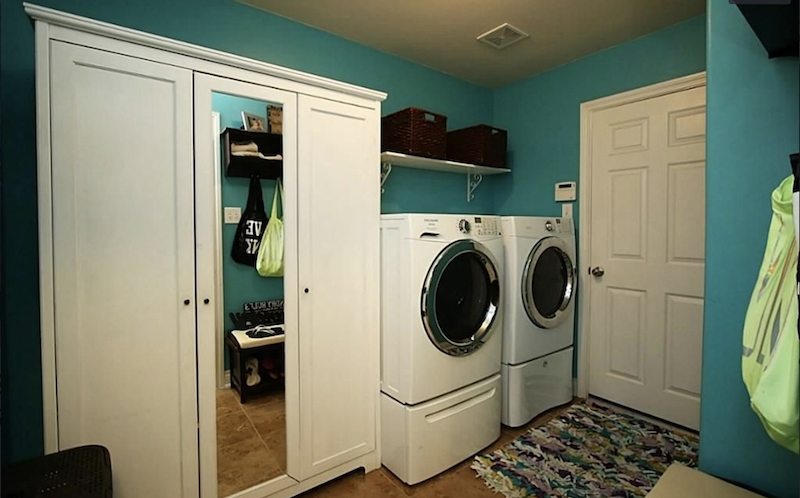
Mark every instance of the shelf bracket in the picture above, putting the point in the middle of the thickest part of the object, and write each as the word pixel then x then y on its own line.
pixel 386 170
pixel 473 180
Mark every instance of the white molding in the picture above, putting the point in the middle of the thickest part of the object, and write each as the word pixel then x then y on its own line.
pixel 584 251
pixel 46 276
pixel 223 376
pixel 108 30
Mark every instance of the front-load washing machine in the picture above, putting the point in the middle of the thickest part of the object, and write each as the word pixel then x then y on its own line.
pixel 540 283
pixel 441 340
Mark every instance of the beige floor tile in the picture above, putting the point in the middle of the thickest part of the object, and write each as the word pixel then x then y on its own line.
pixel 420 488
pixel 463 483
pixel 244 464
pixel 267 416
pixel 226 403
pixel 276 442
pixel 233 428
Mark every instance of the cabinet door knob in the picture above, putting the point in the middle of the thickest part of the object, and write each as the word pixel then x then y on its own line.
pixel 305 290
pixel 206 301
pixel 186 302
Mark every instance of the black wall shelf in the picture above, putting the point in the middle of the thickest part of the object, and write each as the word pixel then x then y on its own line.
pixel 776 26
pixel 268 144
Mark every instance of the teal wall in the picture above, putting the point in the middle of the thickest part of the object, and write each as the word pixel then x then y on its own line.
pixel 752 127
pixel 543 113
pixel 241 283
pixel 224 25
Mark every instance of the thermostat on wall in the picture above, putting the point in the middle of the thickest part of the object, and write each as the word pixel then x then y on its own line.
pixel 565 191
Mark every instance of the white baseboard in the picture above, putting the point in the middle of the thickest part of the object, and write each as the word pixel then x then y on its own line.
pixel 227 379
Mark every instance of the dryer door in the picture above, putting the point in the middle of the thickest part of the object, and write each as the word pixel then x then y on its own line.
pixel 548 282
pixel 461 298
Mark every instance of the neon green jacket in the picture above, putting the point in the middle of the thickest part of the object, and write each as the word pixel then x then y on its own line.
pixel 771 349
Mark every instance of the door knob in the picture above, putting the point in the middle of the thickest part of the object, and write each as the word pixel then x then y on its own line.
pixel 186 302
pixel 598 271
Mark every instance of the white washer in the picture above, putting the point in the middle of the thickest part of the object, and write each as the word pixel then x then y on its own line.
pixel 441 340
pixel 540 284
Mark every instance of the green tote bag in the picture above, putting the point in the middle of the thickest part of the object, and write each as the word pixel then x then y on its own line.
pixel 771 349
pixel 270 253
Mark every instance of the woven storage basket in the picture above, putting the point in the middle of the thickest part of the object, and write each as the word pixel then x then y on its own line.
pixel 481 144
pixel 416 132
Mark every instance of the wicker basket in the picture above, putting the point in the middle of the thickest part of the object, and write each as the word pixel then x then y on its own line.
pixel 416 132
pixel 481 144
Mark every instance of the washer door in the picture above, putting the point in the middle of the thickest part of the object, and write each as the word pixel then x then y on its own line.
pixel 460 298
pixel 548 282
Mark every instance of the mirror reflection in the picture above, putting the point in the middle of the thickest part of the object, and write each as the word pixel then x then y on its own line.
pixel 251 418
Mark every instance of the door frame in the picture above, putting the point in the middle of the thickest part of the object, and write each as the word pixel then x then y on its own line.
pixel 588 109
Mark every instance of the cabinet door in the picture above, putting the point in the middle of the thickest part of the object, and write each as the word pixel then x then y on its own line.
pixel 339 266
pixel 123 258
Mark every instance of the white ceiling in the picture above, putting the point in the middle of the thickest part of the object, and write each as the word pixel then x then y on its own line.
pixel 441 33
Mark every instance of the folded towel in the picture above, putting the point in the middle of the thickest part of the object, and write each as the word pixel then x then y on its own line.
pixel 276 157
pixel 244 147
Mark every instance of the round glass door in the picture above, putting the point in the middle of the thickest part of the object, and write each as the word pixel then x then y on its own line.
pixel 548 282
pixel 460 298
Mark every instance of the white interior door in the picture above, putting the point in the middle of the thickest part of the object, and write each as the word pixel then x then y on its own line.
pixel 339 243
pixel 124 281
pixel 648 237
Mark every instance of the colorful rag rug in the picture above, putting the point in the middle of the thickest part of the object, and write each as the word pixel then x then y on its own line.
pixel 588 451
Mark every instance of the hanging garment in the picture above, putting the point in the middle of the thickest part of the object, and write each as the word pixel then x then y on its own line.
pixel 251 227
pixel 771 349
pixel 270 254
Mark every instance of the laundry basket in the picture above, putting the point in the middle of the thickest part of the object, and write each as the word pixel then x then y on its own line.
pixel 83 472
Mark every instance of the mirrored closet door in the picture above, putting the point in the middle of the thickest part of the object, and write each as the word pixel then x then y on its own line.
pixel 247 364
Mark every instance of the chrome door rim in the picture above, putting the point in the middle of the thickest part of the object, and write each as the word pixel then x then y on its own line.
pixel 428 298
pixel 532 311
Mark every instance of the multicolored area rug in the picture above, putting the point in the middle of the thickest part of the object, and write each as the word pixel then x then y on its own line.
pixel 588 451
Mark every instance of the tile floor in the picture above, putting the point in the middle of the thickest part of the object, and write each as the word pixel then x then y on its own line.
pixel 251 440
pixel 251 449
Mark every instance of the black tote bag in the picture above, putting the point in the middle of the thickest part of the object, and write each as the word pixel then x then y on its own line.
pixel 251 227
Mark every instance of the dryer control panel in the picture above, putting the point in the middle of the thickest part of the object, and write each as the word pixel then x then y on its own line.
pixel 486 225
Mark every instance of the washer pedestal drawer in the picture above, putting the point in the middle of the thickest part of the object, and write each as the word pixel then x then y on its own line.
pixel 423 440
pixel 536 386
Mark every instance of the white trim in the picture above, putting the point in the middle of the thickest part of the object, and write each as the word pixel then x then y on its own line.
pixel 584 251
pixel 84 24
pixel 46 277
pixel 223 376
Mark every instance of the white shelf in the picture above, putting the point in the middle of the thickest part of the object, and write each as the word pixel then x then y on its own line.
pixel 473 172
pixel 416 162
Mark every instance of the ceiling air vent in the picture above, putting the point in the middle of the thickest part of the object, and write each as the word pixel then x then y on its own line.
pixel 503 36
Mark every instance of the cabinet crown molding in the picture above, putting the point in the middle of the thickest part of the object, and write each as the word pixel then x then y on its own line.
pixel 79 23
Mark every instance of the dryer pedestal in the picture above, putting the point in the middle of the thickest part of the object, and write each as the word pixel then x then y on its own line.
pixel 534 387
pixel 423 440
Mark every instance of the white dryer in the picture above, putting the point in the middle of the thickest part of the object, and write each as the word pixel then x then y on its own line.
pixel 540 284
pixel 441 340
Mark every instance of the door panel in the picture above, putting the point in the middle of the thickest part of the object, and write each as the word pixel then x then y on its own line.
pixel 339 243
pixel 123 239
pixel 276 465
pixel 648 229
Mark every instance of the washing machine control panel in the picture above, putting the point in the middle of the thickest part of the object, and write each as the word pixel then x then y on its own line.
pixel 486 225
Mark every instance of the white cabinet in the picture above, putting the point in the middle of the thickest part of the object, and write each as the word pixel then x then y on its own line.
pixel 127 257
pixel 339 240
pixel 123 266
